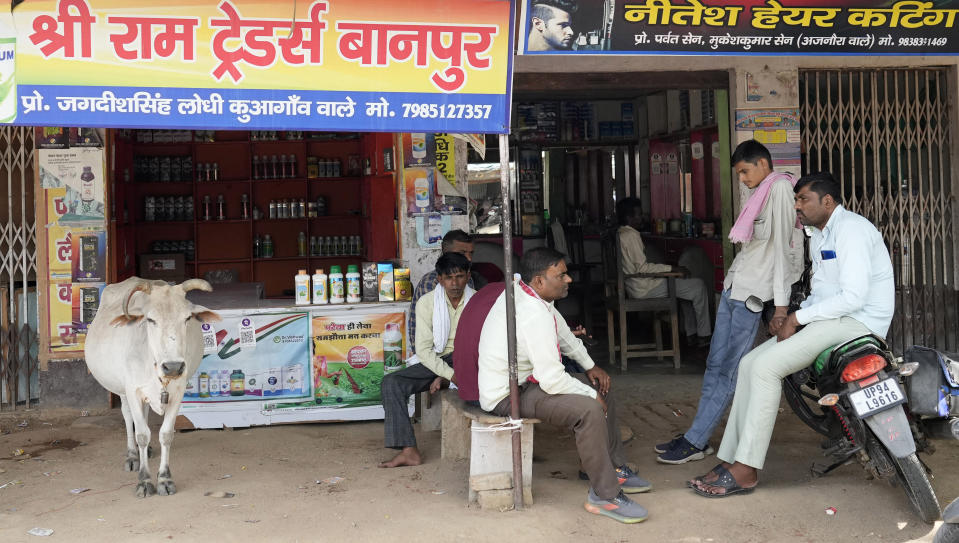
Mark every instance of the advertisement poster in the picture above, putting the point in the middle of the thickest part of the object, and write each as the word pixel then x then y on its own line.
pixel 445 157
pixel 419 185
pixel 84 301
pixel 278 368
pixel 80 171
pixel 348 356
pixel 63 336
pixel 748 27
pixel 89 251
pixel 334 65
pixel 419 149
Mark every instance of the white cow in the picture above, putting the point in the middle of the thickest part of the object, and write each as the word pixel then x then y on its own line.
pixel 143 345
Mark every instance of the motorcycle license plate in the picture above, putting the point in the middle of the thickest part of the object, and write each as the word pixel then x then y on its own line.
pixel 877 397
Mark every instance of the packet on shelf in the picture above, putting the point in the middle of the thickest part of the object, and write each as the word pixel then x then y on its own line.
pixel 385 281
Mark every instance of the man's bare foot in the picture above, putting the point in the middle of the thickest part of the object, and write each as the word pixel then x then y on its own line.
pixel 409 456
pixel 745 476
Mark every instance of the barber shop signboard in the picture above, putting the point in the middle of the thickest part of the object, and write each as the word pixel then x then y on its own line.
pixel 336 65
pixel 748 27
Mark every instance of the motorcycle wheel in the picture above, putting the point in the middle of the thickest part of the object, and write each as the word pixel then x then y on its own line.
pixel 912 475
pixel 819 422
pixel 947 533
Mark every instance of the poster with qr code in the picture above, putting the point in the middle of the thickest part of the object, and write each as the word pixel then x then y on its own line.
pixel 278 368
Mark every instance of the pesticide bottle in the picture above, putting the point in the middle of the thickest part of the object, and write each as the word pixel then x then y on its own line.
pixel 392 348
pixel 319 287
pixel 336 285
pixel 353 284
pixel 302 290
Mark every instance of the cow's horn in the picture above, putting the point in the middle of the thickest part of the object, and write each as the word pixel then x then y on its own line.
pixel 143 286
pixel 195 284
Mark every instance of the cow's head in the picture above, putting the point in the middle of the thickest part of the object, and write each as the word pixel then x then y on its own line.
pixel 166 316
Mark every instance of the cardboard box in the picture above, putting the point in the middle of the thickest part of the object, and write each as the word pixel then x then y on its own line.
pixel 384 281
pixel 370 292
pixel 402 287
pixel 168 267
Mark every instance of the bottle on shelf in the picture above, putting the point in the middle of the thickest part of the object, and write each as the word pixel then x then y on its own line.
pixel 245 204
pixel 266 247
pixel 353 284
pixel 302 288
pixel 256 246
pixel 220 208
pixel 320 293
pixel 256 166
pixel 337 294
pixel 206 207
pixel 301 244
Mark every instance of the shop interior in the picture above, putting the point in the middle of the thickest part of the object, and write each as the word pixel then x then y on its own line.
pixel 573 154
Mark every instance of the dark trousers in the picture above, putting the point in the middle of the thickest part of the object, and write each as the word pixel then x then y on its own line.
pixel 597 437
pixel 395 391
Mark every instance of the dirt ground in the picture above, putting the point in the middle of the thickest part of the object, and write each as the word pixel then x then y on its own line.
pixel 281 478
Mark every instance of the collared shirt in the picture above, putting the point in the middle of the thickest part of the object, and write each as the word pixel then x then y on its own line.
pixel 536 354
pixel 768 264
pixel 852 274
pixel 426 285
pixel 424 334
pixel 634 261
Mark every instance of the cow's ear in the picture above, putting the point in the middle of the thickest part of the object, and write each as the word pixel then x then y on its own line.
pixel 207 316
pixel 124 320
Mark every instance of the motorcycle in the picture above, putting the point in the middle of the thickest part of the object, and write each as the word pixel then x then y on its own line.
pixel 949 531
pixel 853 394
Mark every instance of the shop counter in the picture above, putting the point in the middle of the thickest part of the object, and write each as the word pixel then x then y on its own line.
pixel 270 362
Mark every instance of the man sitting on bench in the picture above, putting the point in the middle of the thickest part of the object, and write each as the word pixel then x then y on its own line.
pixel 437 314
pixel 580 402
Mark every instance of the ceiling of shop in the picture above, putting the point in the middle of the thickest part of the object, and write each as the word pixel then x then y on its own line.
pixel 611 85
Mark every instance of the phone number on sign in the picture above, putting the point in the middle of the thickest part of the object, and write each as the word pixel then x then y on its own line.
pixel 447 111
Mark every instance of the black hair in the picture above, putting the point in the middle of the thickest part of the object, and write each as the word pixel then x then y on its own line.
pixel 541 8
pixel 821 183
pixel 453 236
pixel 751 151
pixel 536 261
pixel 626 209
pixel 450 263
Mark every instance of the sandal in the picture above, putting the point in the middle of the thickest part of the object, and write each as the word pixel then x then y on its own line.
pixel 689 484
pixel 726 481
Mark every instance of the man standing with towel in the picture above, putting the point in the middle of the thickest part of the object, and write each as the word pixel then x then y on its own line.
pixel 437 314
pixel 768 263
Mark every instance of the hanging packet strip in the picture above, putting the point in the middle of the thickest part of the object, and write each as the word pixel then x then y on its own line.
pixel 209 338
pixel 247 334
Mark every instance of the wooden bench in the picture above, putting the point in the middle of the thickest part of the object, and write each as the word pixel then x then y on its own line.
pixel 489 452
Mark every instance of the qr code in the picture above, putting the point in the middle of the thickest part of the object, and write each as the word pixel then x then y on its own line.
pixel 209 342
pixel 247 337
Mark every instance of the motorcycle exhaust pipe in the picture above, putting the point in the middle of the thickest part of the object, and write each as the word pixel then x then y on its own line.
pixel 943 429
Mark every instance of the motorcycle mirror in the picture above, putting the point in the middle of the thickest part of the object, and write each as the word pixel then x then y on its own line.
pixel 829 400
pixel 908 368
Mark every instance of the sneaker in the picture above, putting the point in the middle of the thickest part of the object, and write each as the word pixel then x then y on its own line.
pixel 630 482
pixel 683 452
pixel 620 508
pixel 660 448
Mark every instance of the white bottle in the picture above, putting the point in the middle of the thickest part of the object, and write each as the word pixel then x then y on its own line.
pixel 392 348
pixel 418 145
pixel 336 285
pixel 421 189
pixel 302 289
pixel 319 287
pixel 353 284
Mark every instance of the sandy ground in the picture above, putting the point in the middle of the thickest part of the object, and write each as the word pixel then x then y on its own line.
pixel 277 475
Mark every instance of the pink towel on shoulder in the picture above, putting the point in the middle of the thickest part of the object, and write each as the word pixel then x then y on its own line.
pixel 742 231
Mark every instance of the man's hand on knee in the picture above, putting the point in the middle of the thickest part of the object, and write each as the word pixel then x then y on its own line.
pixel 788 328
pixel 599 378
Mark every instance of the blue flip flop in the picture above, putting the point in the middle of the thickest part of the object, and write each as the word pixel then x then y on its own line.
pixel 725 481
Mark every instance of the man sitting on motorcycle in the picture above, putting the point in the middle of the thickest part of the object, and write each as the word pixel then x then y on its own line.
pixel 852 294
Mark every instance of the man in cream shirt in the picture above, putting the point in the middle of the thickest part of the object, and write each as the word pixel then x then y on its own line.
pixel 581 403
pixel 852 294
pixel 437 315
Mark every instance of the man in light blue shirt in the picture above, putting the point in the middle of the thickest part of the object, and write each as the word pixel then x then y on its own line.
pixel 853 294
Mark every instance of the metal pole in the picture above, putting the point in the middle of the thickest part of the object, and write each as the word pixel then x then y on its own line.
pixel 517 433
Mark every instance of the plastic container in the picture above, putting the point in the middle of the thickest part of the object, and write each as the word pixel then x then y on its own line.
pixel 336 285
pixel 302 288
pixel 392 348
pixel 266 247
pixel 320 293
pixel 353 284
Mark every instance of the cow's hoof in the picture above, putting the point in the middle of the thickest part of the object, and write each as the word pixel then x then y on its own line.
pixel 166 487
pixel 145 488
pixel 132 463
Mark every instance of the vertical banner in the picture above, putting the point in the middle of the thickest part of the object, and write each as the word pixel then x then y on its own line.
pixel 349 354
pixel 74 240
pixel 278 367
pixel 445 157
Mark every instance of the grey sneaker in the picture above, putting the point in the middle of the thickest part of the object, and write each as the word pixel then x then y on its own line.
pixel 630 482
pixel 620 508
pixel 660 448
